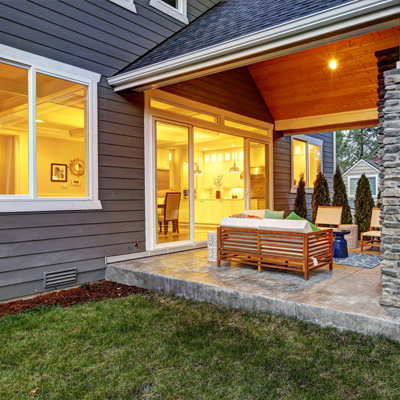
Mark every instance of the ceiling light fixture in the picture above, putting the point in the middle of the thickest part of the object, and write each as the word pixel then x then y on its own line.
pixel 234 169
pixel 197 170
pixel 332 64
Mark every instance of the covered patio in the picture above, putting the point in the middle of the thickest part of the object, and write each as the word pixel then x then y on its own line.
pixel 280 75
pixel 346 297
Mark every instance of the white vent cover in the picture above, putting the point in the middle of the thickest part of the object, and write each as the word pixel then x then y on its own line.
pixel 59 278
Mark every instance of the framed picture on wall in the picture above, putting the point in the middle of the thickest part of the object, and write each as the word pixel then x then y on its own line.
pixel 59 172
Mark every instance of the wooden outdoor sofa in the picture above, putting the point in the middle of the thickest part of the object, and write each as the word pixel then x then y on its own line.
pixel 273 247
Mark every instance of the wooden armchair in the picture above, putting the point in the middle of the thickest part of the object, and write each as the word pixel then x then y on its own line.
pixel 329 215
pixel 374 234
pixel 170 212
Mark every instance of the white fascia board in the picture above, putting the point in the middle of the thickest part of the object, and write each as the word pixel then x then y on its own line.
pixel 247 49
pixel 315 121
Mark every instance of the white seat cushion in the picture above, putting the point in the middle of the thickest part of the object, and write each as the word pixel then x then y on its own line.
pixel 250 223
pixel 301 226
pixel 372 233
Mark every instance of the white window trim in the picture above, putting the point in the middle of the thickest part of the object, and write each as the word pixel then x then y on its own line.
pixel 64 71
pixel 179 13
pixel 128 4
pixel 349 177
pixel 308 140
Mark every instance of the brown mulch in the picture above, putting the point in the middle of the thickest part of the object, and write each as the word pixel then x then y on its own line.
pixel 89 292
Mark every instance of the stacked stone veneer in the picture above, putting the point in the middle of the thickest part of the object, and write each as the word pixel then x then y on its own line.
pixel 390 249
pixel 386 61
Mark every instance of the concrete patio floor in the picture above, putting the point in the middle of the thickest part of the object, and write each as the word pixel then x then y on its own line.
pixel 346 297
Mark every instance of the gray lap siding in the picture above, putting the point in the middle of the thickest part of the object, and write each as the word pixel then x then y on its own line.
pixel 283 199
pixel 102 37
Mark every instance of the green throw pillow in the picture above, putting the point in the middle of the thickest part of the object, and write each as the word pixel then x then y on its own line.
pixel 269 214
pixel 294 216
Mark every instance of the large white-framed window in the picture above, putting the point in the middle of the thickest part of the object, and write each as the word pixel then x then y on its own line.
pixel 174 8
pixel 352 181
pixel 48 134
pixel 306 159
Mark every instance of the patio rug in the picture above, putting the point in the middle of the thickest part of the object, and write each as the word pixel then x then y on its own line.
pixel 359 260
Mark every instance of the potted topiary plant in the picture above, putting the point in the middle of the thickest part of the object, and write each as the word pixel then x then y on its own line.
pixel 321 195
pixel 364 203
pixel 300 202
pixel 340 197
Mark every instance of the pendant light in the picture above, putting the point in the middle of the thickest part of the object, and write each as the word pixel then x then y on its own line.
pixel 197 170
pixel 234 169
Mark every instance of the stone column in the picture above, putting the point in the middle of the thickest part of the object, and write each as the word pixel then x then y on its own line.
pixel 390 247
pixel 386 61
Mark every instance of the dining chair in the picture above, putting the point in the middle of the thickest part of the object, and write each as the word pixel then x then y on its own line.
pixel 170 212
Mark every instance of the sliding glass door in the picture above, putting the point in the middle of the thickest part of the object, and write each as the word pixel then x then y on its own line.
pixel 172 182
pixel 258 175
pixel 218 179
pixel 202 176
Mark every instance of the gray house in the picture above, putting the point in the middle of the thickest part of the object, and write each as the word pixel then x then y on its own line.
pixel 351 176
pixel 111 108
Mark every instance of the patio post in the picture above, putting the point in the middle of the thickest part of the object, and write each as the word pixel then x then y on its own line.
pixel 390 120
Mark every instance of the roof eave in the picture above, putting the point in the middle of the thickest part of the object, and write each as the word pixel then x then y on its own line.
pixel 247 49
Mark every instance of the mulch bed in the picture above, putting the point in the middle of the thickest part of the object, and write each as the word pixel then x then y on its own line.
pixel 90 292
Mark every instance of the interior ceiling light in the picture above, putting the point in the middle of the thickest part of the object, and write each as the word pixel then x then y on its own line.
pixel 197 171
pixel 332 64
pixel 234 169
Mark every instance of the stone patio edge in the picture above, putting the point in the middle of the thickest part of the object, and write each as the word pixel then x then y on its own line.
pixel 254 302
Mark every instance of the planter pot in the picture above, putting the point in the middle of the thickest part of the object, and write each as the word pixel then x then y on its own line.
pixel 217 194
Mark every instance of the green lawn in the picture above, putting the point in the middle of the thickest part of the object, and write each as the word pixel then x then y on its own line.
pixel 169 348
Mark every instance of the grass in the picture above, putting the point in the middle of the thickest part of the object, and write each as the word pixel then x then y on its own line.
pixel 170 348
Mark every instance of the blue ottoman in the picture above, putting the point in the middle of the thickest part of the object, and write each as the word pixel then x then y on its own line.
pixel 340 244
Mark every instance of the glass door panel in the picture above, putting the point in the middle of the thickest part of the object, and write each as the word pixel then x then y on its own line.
pixel 172 182
pixel 259 185
pixel 218 179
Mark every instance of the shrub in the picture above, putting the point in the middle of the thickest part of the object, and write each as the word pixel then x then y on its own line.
pixel 340 197
pixel 321 195
pixel 364 204
pixel 300 202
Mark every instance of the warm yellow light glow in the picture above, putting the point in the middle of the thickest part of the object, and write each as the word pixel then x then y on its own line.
pixel 332 64
pixel 39 120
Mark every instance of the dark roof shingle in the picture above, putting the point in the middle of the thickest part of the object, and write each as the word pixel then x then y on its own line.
pixel 231 19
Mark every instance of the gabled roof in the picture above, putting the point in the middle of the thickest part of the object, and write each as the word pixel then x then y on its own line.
pixel 235 33
pixel 371 163
pixel 231 19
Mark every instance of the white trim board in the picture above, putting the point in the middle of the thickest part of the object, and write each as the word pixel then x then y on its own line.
pixel 327 119
pixel 128 4
pixel 179 13
pixel 153 253
pixel 249 48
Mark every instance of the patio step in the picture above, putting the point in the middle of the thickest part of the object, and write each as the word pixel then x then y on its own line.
pixel 245 300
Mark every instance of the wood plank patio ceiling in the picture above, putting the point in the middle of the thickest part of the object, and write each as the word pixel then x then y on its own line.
pixel 302 84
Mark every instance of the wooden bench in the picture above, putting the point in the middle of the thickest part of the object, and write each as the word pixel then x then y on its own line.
pixel 293 251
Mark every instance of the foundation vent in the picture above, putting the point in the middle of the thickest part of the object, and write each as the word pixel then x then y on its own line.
pixel 59 278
